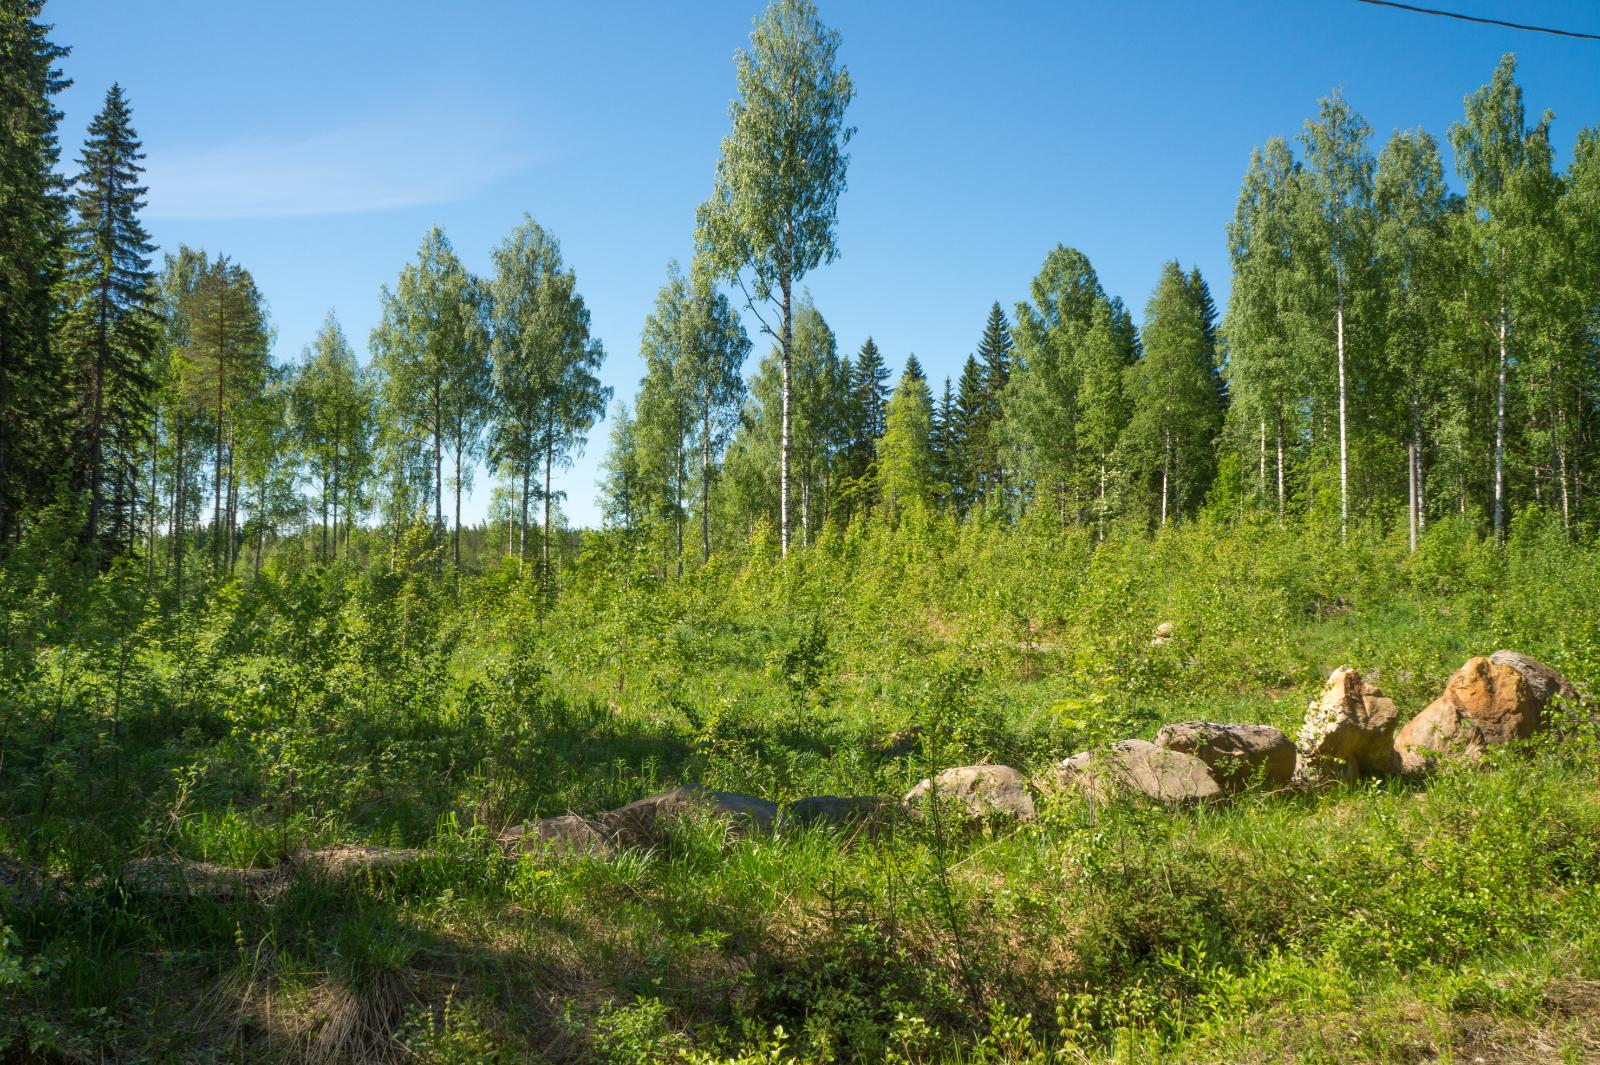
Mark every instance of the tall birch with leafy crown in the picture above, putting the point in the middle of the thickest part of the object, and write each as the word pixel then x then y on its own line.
pixel 1492 146
pixel 546 389
pixel 1339 164
pixel 772 212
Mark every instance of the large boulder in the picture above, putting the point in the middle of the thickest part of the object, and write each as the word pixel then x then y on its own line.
pixel 837 810
pixel 643 822
pixel 1443 729
pixel 568 834
pixel 1547 684
pixel 1236 754
pixel 982 790
pixel 1488 701
pixel 1349 731
pixel 1141 769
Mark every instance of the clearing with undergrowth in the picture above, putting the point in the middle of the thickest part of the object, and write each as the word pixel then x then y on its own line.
pixel 1202 673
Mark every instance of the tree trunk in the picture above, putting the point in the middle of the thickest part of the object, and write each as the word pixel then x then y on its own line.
pixel 549 460
pixel 1411 493
pixel 338 429
pixel 177 514
pixel 1166 461
pixel 1262 475
pixel 438 472
pixel 805 511
pixel 678 502
pixel 222 369
pixel 229 553
pixel 1344 442
pixel 155 504
pixel 783 451
pixel 324 512
pixel 96 417
pixel 1281 493
pixel 705 485
pixel 1500 433
pixel 455 547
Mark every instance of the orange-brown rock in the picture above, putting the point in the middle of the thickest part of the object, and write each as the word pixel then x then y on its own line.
pixel 1488 701
pixel 1349 731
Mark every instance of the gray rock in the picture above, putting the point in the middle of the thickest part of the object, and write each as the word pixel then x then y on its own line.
pixel 558 836
pixel 1547 684
pixel 982 790
pixel 842 810
pixel 643 822
pixel 1141 769
pixel 1235 754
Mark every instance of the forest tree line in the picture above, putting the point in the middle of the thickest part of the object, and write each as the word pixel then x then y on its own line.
pixel 1391 351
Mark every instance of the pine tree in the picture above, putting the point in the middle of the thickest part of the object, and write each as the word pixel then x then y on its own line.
pixel 914 368
pixel 33 228
pixel 224 365
pixel 111 329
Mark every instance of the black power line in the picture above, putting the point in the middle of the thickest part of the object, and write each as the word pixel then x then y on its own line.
pixel 1486 21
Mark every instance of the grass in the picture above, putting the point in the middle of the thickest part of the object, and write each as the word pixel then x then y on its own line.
pixel 1392 922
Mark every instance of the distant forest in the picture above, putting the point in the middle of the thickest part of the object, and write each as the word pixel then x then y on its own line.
pixel 1391 352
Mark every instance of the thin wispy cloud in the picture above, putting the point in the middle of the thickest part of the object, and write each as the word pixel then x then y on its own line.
pixel 425 156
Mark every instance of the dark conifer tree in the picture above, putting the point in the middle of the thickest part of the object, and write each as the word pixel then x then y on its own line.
pixel 972 399
pixel 914 368
pixel 994 351
pixel 112 331
pixel 33 219
pixel 867 380
pixel 945 448
pixel 870 390
pixel 995 357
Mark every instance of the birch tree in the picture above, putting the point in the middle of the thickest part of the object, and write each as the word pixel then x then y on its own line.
pixel 771 216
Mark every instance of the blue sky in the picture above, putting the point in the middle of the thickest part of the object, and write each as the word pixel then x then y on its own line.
pixel 317 142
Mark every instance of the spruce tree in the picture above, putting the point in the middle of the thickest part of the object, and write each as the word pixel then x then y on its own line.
pixel 969 434
pixel 945 447
pixel 983 416
pixel 111 331
pixel 33 227
pixel 870 387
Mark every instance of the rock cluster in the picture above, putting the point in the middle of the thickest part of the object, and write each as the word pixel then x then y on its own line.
pixel 1349 732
